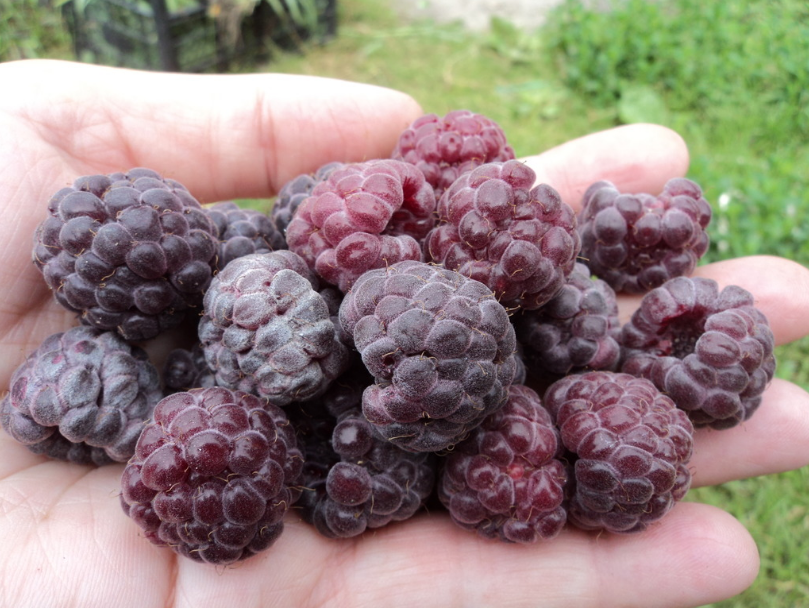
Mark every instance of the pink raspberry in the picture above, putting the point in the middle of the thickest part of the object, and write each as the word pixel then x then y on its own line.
pixel 444 148
pixel 497 228
pixel 364 216
pixel 505 480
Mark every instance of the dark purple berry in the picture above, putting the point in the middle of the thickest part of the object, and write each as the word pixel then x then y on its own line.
pixel 213 475
pixel 710 351
pixel 636 242
pixel 444 148
pixel 505 480
pixel 364 216
pixel 267 331
pixel 129 251
pixel 187 369
pixel 242 232
pixel 442 350
pixel 628 446
pixel 353 480
pixel 82 396
pixel 577 330
pixel 495 227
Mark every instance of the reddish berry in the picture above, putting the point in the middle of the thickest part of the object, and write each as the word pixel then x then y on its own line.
pixel 213 475
pixel 505 480
pixel 628 446
pixel 497 228
pixel 444 148
pixel 364 216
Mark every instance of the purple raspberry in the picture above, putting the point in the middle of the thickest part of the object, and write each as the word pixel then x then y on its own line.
pixel 129 251
pixel 213 475
pixel 82 396
pixel 444 148
pixel 364 216
pixel 495 227
pixel 710 351
pixel 628 446
pixel 352 479
pixel 267 331
pixel 442 350
pixel 242 232
pixel 636 242
pixel 505 480
pixel 577 330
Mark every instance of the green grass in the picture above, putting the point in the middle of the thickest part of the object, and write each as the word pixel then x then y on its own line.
pixel 731 77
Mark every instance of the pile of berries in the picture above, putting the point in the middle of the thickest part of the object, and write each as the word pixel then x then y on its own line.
pixel 434 324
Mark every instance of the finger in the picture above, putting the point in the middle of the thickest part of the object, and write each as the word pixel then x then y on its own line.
pixel 697 554
pixel 222 136
pixel 774 440
pixel 636 158
pixel 780 288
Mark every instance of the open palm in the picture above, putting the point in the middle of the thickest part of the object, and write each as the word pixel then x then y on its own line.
pixel 66 541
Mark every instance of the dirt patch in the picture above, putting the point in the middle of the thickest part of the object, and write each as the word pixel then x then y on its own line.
pixel 476 14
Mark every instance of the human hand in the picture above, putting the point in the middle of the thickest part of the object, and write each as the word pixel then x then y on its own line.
pixel 66 540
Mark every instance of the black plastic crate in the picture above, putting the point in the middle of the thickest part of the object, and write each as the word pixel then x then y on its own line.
pixel 145 34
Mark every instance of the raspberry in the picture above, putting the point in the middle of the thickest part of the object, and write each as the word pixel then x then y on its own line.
pixel 266 331
pixel 440 346
pixel 710 351
pixel 355 481
pixel 628 447
pixel 577 330
pixel 364 216
pixel 496 228
pixel 445 148
pixel 636 242
pixel 187 369
pixel 505 481
pixel 293 193
pixel 242 232
pixel 213 475
pixel 129 251
pixel 82 396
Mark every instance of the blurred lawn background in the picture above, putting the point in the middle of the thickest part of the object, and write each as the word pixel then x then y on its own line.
pixel 732 77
